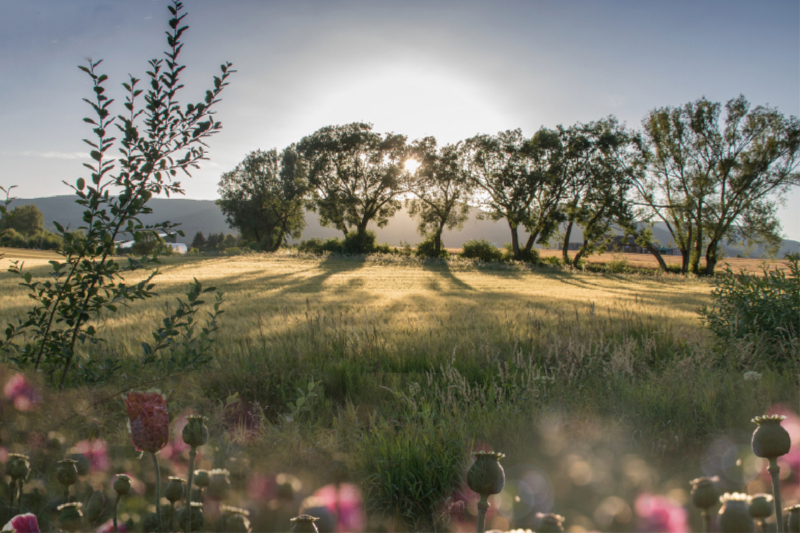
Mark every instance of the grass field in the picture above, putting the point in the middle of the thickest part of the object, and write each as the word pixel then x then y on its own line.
pixel 414 362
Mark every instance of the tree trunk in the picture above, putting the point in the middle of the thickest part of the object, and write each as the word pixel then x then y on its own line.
pixel 437 240
pixel 697 250
pixel 580 253
pixel 529 244
pixel 653 250
pixel 684 260
pixel 565 248
pixel 711 258
pixel 514 240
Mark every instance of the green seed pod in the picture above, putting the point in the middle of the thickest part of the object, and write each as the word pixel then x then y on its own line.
pixel 734 516
pixel 174 491
pixel 705 494
pixel 486 476
pixel 235 519
pixel 196 520
pixel 770 439
pixel 70 516
pixel 67 472
pixel 95 506
pixel 304 524
pixel 202 478
pixel 81 463
pixel 195 432
pixel 761 506
pixel 218 484
pixel 793 519
pixel 551 523
pixel 18 466
pixel 122 484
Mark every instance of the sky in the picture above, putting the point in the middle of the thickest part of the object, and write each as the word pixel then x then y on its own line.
pixel 451 69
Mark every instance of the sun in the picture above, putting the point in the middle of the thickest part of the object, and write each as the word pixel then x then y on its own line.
pixel 411 165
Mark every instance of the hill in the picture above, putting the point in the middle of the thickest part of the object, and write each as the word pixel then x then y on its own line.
pixel 205 216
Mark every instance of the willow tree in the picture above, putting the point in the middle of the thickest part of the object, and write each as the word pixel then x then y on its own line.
pixel 711 182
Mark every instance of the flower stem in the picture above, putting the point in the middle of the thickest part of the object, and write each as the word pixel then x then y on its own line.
pixel 11 501
pixel 189 481
pixel 172 516
pixel 774 471
pixel 483 506
pixel 158 493
pixel 116 505
pixel 706 521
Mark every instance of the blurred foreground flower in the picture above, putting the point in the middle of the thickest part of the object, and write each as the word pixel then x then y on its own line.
pixel 23 523
pixel 21 392
pixel 342 501
pixel 108 527
pixel 148 420
pixel 660 514
pixel 96 453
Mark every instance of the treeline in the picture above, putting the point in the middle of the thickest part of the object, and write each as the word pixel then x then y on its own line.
pixel 23 227
pixel 709 179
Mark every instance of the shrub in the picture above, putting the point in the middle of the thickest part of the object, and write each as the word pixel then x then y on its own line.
pixel 359 243
pixel 427 248
pixel 481 249
pixel 318 246
pixel 531 256
pixel 749 306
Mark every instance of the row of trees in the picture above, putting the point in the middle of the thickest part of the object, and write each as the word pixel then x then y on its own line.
pixel 23 227
pixel 709 182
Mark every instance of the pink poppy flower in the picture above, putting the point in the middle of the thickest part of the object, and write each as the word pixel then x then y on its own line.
pixel 95 451
pixel 660 514
pixel 108 527
pixel 344 501
pixel 21 392
pixel 23 523
pixel 148 420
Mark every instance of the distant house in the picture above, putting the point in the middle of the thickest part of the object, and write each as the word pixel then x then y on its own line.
pixel 177 247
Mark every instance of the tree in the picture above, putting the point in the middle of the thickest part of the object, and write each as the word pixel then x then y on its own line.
pixel 711 183
pixel 520 180
pixel 441 187
pixel 263 197
pixel 355 175
pixel 199 241
pixel 25 219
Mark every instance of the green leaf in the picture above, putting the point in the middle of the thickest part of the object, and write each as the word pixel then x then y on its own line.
pixel 81 184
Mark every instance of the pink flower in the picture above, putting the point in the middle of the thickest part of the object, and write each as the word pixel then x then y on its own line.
pixel 23 523
pixel 21 392
pixel 148 420
pixel 95 451
pixel 108 527
pixel 344 501
pixel 658 514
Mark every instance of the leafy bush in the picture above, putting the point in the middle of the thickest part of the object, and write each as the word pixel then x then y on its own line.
pixel 531 256
pixel 43 240
pixel 617 265
pixel 752 306
pixel 427 248
pixel 318 246
pixel 360 243
pixel 481 249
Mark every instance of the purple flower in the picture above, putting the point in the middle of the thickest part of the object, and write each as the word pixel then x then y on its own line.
pixel 21 392
pixel 23 523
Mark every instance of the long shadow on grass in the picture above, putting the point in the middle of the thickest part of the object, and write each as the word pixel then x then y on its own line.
pixel 443 269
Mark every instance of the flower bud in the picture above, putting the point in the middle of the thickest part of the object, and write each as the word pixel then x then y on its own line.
pixel 304 524
pixel 174 490
pixel 486 476
pixel 761 506
pixel 70 516
pixel 196 517
pixel 734 516
pixel 95 506
pixel 551 523
pixel 770 439
pixel 18 466
pixel 202 478
pixel 122 485
pixel 218 483
pixel 67 472
pixel 705 494
pixel 195 432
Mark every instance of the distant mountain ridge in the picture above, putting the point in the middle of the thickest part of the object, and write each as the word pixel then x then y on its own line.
pixel 205 216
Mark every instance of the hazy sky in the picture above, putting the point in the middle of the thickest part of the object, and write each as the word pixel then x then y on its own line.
pixel 448 69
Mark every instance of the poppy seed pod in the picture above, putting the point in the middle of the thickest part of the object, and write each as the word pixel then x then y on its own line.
pixel 122 485
pixel 70 516
pixel 761 506
pixel 218 483
pixel 304 524
pixel 202 478
pixel 195 432
pixel 793 519
pixel 486 476
pixel 67 472
pixel 235 519
pixel 18 466
pixel 196 517
pixel 174 490
pixel 95 506
pixel 704 492
pixel 770 439
pixel 550 523
pixel 734 517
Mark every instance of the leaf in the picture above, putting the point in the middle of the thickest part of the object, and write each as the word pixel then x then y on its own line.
pixel 81 184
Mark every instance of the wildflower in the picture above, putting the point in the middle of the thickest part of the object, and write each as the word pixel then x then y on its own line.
pixel 752 376
pixel 148 420
pixel 108 527
pixel 23 523
pixel 95 452
pixel 21 392
pixel 734 516
pixel 344 502
pixel 658 513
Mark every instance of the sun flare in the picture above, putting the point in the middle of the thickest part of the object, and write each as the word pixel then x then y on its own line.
pixel 411 165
